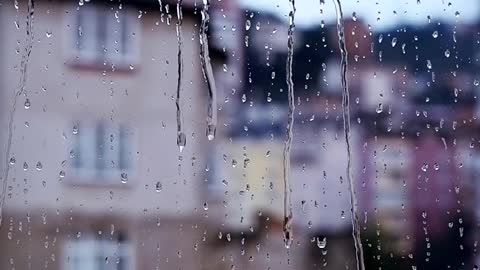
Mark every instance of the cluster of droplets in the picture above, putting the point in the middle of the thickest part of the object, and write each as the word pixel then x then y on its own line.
pixel 19 91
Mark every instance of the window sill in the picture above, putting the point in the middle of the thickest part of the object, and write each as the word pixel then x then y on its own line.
pixel 97 182
pixel 98 64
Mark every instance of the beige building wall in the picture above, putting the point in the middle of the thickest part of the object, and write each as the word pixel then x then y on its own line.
pixel 43 210
pixel 141 98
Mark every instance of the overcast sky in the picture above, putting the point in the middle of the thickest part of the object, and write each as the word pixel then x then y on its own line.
pixel 407 11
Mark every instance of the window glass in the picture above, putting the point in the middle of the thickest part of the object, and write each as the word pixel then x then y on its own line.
pixel 239 134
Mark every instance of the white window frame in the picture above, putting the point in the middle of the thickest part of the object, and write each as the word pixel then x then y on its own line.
pixel 86 250
pixel 91 53
pixel 85 147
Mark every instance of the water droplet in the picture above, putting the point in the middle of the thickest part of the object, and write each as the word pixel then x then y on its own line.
pixel 27 104
pixel 287 239
pixel 158 187
pixel 321 242
pixel 244 98
pixel 447 53
pixel 124 178
pixel 248 24
pixel 210 132
pixel 435 34
pixel 394 41
pixel 12 160
pixel 429 64
pixel 39 166
pixel 25 166
pixel 181 141
pixel 424 167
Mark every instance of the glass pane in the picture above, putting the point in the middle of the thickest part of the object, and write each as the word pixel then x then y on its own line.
pixel 239 134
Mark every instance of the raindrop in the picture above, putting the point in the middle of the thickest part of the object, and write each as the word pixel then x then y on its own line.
pixel 248 24
pixel 39 166
pixel 321 242
pixel 424 167
pixel 27 104
pixel 181 140
pixel 158 187
pixel 429 64
pixel 394 41
pixel 124 178
pixel 447 53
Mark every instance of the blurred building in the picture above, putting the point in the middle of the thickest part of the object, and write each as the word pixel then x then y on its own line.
pixel 416 125
pixel 96 180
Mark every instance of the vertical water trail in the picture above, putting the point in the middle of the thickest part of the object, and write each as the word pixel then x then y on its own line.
pixel 181 138
pixel 161 5
pixel 19 91
pixel 161 10
pixel 287 205
pixel 346 126
pixel 208 73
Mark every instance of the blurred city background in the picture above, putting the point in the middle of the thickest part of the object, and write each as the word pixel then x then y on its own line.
pixel 93 178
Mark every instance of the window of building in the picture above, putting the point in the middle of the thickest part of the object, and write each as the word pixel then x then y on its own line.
pixel 103 34
pixel 94 253
pixel 101 150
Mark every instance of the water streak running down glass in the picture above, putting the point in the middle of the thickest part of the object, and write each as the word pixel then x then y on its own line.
pixel 19 91
pixel 181 137
pixel 208 73
pixel 346 128
pixel 287 204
